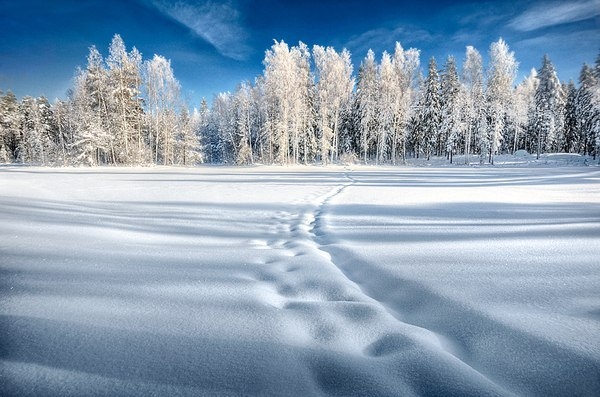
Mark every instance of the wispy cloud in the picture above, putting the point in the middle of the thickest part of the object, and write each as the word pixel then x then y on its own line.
pixel 563 42
pixel 546 15
pixel 386 38
pixel 216 22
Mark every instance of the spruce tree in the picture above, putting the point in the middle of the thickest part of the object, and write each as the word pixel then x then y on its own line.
pixel 549 107
pixel 571 137
pixel 429 117
pixel 451 106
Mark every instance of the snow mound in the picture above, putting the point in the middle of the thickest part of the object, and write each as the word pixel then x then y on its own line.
pixel 521 153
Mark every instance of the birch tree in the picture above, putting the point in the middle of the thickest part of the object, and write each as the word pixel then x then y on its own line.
pixel 162 100
pixel 334 90
pixel 405 65
pixel 473 114
pixel 499 95
pixel 524 110
pixel 367 103
pixel 125 105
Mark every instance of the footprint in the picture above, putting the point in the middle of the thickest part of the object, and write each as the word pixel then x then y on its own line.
pixel 358 312
pixel 389 344
pixel 287 290
pixel 322 332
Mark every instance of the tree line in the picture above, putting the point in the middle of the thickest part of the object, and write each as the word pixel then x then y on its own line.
pixel 308 106
pixel 120 111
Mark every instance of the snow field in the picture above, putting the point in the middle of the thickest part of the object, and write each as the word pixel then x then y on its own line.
pixel 299 281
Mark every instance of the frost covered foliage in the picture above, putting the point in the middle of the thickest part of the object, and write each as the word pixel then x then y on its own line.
pixel 308 106
pixel 120 111
pixel 392 112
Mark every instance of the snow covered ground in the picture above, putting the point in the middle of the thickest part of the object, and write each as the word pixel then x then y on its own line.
pixel 300 281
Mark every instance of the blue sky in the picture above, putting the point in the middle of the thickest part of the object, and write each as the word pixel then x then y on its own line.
pixel 213 45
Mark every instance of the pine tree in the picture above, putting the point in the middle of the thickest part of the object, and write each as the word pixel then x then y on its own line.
pixel 428 117
pixel 37 128
pixel 84 123
pixel 571 143
pixel 187 144
pixel 549 107
pixel 208 139
pixel 584 107
pixel 451 128
pixel 596 108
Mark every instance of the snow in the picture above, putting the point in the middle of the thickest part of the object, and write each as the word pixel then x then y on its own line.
pixel 301 280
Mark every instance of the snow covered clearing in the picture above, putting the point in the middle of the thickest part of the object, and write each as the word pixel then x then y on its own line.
pixel 300 281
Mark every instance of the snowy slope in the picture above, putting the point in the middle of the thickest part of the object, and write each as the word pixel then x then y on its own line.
pixel 299 281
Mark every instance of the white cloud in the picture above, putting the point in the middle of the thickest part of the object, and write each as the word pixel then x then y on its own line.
pixel 216 22
pixel 546 15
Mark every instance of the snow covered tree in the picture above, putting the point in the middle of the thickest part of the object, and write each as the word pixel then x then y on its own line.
pixel 208 138
pixel 406 66
pixel 37 129
pixel 245 115
pixel 124 79
pixel 388 90
pixel 451 128
pixel 288 86
pixel 187 145
pixel 90 113
pixel 571 140
pixel 162 100
pixel 549 107
pixel 367 103
pixel 10 123
pixel 333 92
pixel 303 110
pixel 595 130
pixel 523 112
pixel 64 130
pixel 588 108
pixel 474 100
pixel 428 115
pixel 223 118
pixel 499 95
pixel 584 107
pixel 264 126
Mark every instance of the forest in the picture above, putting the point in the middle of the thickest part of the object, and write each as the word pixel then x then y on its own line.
pixel 307 107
